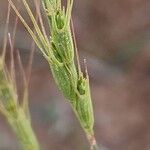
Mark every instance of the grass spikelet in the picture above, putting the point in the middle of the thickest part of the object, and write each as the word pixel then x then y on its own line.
pixel 59 52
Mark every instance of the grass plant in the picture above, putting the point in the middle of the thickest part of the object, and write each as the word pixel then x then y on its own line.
pixel 15 112
pixel 59 49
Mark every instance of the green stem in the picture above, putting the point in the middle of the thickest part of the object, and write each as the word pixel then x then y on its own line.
pixel 93 143
pixel 94 147
pixel 22 127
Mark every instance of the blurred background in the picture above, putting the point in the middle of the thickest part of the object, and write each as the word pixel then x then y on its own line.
pixel 114 37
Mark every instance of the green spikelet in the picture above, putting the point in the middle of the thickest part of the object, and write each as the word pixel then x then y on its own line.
pixel 15 113
pixel 73 85
pixel 84 106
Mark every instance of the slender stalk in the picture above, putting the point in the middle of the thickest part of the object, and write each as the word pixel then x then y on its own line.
pixel 93 143
pixel 94 147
